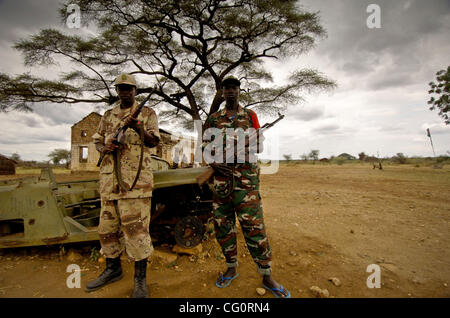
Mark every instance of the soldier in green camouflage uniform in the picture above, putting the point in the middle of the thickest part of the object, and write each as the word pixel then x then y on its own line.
pixel 125 215
pixel 244 199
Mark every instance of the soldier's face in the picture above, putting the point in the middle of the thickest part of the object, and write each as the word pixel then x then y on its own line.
pixel 126 93
pixel 230 92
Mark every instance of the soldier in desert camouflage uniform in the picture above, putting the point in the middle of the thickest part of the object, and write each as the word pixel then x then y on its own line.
pixel 244 199
pixel 125 214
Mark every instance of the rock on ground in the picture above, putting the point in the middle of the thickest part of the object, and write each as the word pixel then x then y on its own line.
pixel 260 291
pixel 319 293
pixel 335 281
pixel 164 257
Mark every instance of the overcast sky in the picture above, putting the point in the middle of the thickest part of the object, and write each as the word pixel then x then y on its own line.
pixel 380 105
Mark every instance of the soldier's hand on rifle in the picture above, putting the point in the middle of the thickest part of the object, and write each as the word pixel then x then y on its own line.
pixel 132 123
pixel 109 147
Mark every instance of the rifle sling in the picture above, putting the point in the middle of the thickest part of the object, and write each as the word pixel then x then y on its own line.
pixel 117 165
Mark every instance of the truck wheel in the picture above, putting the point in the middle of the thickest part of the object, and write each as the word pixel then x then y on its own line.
pixel 189 232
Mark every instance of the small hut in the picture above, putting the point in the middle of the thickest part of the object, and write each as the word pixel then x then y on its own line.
pixel 7 166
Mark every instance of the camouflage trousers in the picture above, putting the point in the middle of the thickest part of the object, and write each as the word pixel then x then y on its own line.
pixel 246 204
pixel 124 224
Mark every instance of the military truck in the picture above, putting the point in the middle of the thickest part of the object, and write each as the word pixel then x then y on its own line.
pixel 40 211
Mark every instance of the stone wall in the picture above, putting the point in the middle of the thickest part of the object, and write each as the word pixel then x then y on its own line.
pixel 164 148
pixel 83 155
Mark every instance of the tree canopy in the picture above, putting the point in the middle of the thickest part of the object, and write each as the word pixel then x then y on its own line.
pixel 16 157
pixel 58 155
pixel 442 89
pixel 362 156
pixel 314 155
pixel 183 48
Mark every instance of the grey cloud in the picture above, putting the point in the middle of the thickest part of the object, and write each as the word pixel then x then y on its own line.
pixel 326 129
pixel 390 129
pixel 399 26
pixel 406 25
pixel 26 16
pixel 55 114
pixel 356 67
pixel 27 119
pixel 307 114
pixel 37 137
pixel 334 129
pixel 30 121
pixel 387 80
pixel 19 128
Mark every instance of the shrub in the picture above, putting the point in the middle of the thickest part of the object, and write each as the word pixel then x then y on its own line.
pixel 442 159
pixel 399 158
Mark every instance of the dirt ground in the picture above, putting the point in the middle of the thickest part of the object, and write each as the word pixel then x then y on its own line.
pixel 322 221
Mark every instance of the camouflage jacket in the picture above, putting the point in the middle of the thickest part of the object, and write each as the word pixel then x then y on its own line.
pixel 129 154
pixel 246 174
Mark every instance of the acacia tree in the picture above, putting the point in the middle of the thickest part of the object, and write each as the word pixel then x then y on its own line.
pixel 182 48
pixel 58 155
pixel 362 156
pixel 442 89
pixel 16 157
pixel 314 155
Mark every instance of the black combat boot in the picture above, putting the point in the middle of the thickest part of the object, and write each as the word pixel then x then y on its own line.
pixel 140 283
pixel 112 273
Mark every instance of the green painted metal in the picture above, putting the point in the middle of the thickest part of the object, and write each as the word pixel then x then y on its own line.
pixel 176 177
pixel 39 211
pixel 33 212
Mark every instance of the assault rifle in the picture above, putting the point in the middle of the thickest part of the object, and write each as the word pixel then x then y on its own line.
pixel 119 136
pixel 223 168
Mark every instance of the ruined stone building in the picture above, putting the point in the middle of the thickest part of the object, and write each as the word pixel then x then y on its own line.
pixel 84 156
pixel 7 166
